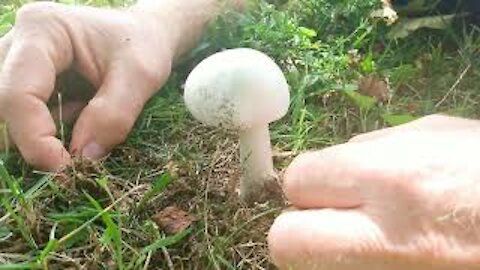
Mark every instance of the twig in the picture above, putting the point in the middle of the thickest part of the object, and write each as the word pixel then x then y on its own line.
pixel 167 258
pixel 147 261
pixel 454 86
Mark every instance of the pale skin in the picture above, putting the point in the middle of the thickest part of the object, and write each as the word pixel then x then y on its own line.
pixel 400 198
pixel 126 54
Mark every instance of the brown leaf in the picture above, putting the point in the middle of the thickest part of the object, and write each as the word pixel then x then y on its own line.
pixel 173 220
pixel 387 13
pixel 374 87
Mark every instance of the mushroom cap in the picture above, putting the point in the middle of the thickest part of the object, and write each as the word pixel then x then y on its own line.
pixel 237 89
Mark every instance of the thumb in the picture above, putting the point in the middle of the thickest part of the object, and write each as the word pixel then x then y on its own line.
pixel 327 239
pixel 109 117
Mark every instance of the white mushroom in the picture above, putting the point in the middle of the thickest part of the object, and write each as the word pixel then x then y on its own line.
pixel 242 89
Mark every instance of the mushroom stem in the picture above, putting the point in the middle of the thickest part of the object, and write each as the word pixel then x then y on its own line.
pixel 256 162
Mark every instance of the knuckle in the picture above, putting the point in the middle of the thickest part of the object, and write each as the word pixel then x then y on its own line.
pixel 33 12
pixel 153 71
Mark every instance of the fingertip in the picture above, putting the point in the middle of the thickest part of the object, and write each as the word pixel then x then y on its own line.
pixel 323 239
pixel 94 151
pixel 278 239
pixel 47 154
pixel 101 126
pixel 297 173
pixel 329 178
pixel 300 240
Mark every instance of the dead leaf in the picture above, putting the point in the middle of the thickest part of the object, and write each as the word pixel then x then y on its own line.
pixel 386 13
pixel 173 220
pixel 406 26
pixel 373 86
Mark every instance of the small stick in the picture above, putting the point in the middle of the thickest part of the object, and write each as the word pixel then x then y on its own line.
pixel 454 86
pixel 167 258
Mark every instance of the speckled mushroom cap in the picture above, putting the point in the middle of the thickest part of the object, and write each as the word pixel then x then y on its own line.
pixel 237 89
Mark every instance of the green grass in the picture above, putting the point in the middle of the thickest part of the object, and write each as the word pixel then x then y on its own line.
pixel 99 216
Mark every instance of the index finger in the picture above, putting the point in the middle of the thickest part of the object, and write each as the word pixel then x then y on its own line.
pixel 26 83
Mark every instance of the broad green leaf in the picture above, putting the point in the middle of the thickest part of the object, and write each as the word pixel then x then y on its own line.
pixel 363 102
pixel 310 33
pixel 368 64
pixel 6 22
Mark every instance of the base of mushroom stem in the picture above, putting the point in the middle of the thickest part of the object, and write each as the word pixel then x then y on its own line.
pixel 262 190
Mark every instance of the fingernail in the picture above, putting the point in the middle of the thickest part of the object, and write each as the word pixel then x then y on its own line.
pixel 93 151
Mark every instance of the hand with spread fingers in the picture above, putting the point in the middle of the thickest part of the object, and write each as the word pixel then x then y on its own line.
pixel 125 54
pixel 401 198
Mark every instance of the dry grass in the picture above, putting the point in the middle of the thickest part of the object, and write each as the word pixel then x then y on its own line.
pixel 428 73
pixel 226 230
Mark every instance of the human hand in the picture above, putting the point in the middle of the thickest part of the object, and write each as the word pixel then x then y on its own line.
pixel 126 56
pixel 401 198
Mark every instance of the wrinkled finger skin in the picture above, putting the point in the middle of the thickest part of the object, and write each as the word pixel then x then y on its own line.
pixel 401 198
pixel 126 59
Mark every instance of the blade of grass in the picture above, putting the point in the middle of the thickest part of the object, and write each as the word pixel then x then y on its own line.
pixel 167 241
pixel 159 244
pixel 51 245
pixel 112 234
pixel 20 266
pixel 93 219
pixel 16 193
pixel 158 186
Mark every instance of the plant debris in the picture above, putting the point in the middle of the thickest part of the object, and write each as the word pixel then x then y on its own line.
pixel 173 220
pixel 406 26
pixel 387 13
pixel 375 87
